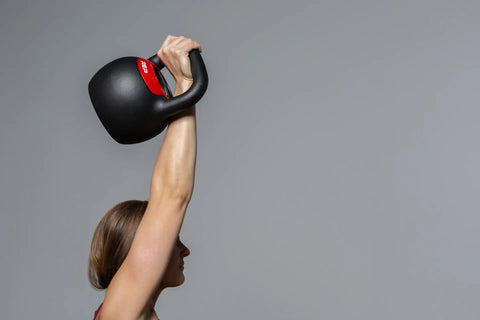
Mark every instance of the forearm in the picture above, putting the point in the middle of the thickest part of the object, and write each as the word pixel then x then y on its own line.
pixel 174 171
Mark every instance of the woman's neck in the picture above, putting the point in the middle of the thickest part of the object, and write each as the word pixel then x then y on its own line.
pixel 152 315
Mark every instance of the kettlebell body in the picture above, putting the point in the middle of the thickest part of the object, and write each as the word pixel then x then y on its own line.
pixel 132 98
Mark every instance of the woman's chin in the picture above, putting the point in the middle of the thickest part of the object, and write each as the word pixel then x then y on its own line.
pixel 179 282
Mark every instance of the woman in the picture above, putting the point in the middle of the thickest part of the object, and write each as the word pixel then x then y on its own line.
pixel 136 251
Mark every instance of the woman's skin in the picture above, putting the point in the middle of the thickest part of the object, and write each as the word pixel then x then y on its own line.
pixel 154 260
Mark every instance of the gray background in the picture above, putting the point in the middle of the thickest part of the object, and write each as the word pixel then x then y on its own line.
pixel 338 165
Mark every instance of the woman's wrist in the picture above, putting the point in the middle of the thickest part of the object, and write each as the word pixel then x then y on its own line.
pixel 182 86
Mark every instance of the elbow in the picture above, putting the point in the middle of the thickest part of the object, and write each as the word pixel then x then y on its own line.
pixel 178 193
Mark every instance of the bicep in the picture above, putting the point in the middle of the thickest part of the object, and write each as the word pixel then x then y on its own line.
pixel 139 277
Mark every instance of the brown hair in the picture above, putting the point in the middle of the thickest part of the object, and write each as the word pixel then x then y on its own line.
pixel 112 240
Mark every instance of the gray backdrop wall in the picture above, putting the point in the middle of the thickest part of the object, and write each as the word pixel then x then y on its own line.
pixel 338 165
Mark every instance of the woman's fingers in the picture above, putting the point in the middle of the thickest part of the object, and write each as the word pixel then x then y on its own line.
pixel 174 55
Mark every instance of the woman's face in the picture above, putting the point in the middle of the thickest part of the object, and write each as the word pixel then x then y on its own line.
pixel 174 274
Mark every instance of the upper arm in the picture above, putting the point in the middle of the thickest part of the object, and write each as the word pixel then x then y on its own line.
pixel 138 278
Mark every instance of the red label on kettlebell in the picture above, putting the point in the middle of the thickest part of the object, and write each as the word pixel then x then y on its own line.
pixel 147 70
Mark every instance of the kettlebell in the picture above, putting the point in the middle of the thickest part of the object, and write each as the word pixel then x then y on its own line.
pixel 132 98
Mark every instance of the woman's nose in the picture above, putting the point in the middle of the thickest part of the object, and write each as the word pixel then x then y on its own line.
pixel 185 250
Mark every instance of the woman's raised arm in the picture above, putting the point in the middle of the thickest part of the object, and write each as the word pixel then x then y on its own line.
pixel 136 284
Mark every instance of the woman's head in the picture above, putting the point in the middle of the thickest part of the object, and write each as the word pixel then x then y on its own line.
pixel 112 240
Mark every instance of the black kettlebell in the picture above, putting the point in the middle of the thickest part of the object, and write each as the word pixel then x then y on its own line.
pixel 133 100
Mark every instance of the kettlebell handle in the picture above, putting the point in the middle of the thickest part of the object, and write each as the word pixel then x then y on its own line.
pixel 156 61
pixel 193 94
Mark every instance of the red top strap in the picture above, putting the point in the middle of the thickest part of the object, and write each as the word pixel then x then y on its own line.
pixel 96 312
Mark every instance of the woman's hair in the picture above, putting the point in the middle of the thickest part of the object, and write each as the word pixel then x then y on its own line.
pixel 112 240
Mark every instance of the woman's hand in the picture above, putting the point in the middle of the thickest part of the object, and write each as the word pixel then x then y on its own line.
pixel 174 55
